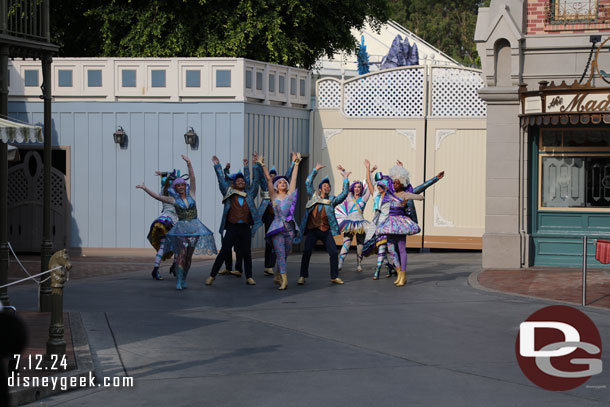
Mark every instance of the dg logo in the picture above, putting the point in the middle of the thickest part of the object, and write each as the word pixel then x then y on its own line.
pixel 559 348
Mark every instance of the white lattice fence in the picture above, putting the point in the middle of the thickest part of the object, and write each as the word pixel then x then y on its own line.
pixel 395 93
pixel 329 94
pixel 455 93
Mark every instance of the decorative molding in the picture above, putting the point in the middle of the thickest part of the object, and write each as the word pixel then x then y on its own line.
pixel 441 135
pixel 328 134
pixel 440 221
pixel 411 135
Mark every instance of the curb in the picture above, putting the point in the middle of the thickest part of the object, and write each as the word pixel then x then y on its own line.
pixel 473 281
pixel 84 367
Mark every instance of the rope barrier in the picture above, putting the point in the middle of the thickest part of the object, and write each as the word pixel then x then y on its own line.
pixel 32 277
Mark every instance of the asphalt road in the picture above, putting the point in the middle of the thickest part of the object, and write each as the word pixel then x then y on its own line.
pixel 435 342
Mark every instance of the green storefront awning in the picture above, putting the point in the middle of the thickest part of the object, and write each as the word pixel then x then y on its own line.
pixel 16 132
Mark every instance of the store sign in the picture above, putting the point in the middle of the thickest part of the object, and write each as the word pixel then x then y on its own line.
pixel 578 103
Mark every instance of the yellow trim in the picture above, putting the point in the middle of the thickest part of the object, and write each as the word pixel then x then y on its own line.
pixel 563 209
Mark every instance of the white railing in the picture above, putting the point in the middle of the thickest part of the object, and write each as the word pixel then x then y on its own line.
pixel 406 92
pixel 163 79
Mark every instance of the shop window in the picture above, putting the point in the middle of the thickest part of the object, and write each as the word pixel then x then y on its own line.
pixel 574 168
pixel 223 78
pixel 64 78
pixel 193 78
pixel 94 78
pixel 128 78
pixel 157 78
pixel 31 77
pixel 573 11
pixel 271 82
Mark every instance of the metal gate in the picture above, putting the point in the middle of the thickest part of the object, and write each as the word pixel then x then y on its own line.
pixel 25 201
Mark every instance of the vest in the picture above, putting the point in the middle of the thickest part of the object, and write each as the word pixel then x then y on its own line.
pixel 239 212
pixel 318 219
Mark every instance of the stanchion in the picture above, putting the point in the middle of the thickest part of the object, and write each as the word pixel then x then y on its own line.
pixel 584 271
pixel 56 345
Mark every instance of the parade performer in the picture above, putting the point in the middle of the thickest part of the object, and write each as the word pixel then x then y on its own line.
pixel 266 211
pixel 351 221
pixel 162 225
pixel 238 217
pixel 320 223
pixel 281 232
pixel 229 259
pixel 189 235
pixel 381 241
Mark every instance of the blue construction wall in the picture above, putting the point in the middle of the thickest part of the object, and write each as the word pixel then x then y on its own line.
pixel 106 209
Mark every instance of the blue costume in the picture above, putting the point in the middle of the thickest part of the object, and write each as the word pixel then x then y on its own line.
pixel 188 236
pixel 320 223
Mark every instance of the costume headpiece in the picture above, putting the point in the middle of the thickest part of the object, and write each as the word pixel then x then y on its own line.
pixel 324 181
pixel 233 177
pixel 273 170
pixel 401 174
pixel 171 176
pixel 278 178
pixel 177 182
pixel 351 188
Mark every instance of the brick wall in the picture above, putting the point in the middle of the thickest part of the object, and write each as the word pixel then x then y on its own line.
pixel 539 19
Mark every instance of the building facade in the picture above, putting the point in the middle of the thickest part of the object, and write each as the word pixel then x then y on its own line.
pixel 235 106
pixel 547 147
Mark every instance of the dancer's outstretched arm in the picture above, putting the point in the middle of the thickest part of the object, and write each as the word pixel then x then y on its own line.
pixel 341 197
pixel 162 198
pixel 192 182
pixel 223 184
pixel 369 182
pixel 269 181
pixel 294 169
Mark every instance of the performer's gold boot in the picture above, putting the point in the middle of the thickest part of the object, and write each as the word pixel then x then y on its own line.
pixel 284 283
pixel 301 281
pixel 268 271
pixel 209 280
pixel 402 278
pixel 277 279
pixel 337 281
pixel 250 281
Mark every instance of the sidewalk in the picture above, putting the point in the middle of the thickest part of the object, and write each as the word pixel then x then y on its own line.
pixel 563 285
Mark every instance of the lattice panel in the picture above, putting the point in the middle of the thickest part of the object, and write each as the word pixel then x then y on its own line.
pixel 17 188
pixel 397 93
pixel 455 93
pixel 329 94
pixel 57 190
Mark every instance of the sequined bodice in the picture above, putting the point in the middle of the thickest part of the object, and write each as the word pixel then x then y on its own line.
pixel 185 212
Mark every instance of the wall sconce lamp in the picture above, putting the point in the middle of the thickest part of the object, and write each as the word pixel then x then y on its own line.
pixel 120 137
pixel 191 138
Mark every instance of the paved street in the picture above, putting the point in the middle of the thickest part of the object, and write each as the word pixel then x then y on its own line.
pixel 434 342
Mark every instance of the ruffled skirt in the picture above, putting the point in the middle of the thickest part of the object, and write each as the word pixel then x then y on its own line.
pixel 158 231
pixel 191 233
pixel 398 225
pixel 354 226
